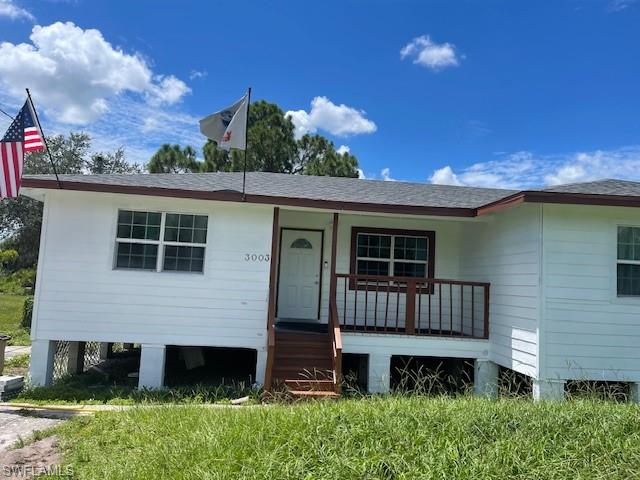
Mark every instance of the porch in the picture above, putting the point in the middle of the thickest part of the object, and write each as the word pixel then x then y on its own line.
pixel 332 276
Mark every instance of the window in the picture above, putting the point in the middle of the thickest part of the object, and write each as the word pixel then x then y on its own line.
pixel 392 253
pixel 161 241
pixel 628 266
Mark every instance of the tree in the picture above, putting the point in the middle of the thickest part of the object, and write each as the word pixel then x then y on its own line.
pixel 318 156
pixel 273 148
pixel 21 218
pixel 174 159
pixel 111 163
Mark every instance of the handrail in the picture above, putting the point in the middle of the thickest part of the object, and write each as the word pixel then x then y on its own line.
pixel 417 280
pixel 412 305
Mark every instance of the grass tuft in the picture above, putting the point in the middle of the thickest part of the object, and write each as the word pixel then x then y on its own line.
pixel 381 437
pixel 10 317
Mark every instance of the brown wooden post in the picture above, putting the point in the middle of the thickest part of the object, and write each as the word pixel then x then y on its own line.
pixel 410 320
pixel 273 267
pixel 271 315
pixel 486 311
pixel 334 250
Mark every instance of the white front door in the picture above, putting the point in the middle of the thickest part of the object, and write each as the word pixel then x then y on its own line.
pixel 299 281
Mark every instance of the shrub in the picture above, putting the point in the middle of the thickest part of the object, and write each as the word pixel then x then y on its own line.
pixel 27 313
pixel 19 282
pixel 8 259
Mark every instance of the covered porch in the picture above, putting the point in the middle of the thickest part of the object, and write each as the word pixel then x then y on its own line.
pixel 340 275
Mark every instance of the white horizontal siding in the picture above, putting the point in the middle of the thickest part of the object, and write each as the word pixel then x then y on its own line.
pixel 82 297
pixel 390 344
pixel 506 253
pixel 590 333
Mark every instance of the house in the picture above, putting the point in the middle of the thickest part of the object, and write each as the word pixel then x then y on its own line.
pixel 305 271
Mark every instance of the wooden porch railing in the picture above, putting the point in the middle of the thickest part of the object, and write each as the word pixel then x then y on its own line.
pixel 336 344
pixel 412 306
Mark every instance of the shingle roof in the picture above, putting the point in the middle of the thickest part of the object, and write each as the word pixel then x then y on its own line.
pixel 600 187
pixel 351 190
pixel 345 193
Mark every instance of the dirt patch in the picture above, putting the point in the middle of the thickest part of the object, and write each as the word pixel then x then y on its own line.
pixel 37 458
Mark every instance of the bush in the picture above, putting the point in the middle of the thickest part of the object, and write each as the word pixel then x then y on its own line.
pixel 20 282
pixel 8 259
pixel 27 313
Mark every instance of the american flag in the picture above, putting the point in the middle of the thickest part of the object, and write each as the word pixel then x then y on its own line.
pixel 23 136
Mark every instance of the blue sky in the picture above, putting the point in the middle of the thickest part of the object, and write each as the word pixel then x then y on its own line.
pixel 489 93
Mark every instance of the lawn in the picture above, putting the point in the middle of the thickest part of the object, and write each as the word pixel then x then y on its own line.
pixel 10 316
pixel 371 438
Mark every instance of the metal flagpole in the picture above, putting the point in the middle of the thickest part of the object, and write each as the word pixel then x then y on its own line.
pixel 246 142
pixel 46 145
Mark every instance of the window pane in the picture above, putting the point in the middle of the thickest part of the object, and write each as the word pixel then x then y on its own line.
pixel 201 222
pixel 172 220
pixel 154 218
pixel 372 267
pixel 140 218
pixel 402 269
pixel 138 225
pixel 124 231
pixel 410 248
pixel 184 259
pixel 138 232
pixel 137 256
pixel 199 236
pixel 153 233
pixel 628 243
pixel 185 228
pixel 374 246
pixel 185 235
pixel 629 279
pixel 186 221
pixel 125 216
pixel 171 234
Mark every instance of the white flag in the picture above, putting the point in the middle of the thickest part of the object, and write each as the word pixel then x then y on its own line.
pixel 228 127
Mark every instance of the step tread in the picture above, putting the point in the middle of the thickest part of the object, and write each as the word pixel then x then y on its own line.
pixel 313 393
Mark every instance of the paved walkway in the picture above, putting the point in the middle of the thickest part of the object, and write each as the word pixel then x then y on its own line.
pixel 13 424
pixel 15 350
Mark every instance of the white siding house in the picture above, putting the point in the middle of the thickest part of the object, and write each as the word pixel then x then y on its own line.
pixel 529 281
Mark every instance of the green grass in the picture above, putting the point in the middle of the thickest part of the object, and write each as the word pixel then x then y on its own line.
pixel 93 389
pixel 18 365
pixel 10 316
pixel 387 438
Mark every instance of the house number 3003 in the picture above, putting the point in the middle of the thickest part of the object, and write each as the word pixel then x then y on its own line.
pixel 254 257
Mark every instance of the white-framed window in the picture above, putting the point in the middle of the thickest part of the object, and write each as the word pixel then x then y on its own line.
pixel 393 253
pixel 628 261
pixel 160 241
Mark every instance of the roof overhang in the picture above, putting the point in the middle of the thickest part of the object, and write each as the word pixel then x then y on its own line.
pixel 529 196
pixel 559 198
pixel 235 196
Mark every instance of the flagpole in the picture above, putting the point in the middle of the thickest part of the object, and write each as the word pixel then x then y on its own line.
pixel 44 139
pixel 246 141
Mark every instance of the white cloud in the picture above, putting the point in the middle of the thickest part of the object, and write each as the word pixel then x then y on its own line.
pixel 385 173
pixel 445 176
pixel 361 174
pixel 9 9
pixel 427 53
pixel 343 149
pixel 74 74
pixel 340 120
pixel 198 74
pixel 620 5
pixel 525 170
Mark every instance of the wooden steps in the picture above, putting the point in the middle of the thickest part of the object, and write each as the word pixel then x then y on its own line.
pixel 303 363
